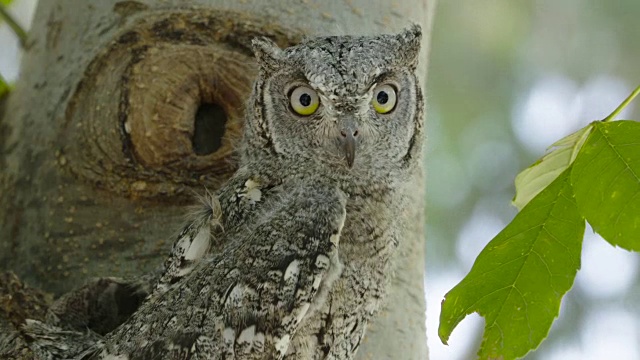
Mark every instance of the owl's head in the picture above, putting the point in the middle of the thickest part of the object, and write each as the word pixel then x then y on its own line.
pixel 342 104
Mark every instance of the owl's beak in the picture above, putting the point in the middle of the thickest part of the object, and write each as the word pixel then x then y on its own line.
pixel 349 141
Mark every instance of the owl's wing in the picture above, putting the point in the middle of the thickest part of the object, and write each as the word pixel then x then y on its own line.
pixel 293 261
pixel 49 342
pixel 192 244
pixel 104 303
pixel 247 302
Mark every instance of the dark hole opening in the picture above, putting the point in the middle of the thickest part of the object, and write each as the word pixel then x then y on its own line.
pixel 209 129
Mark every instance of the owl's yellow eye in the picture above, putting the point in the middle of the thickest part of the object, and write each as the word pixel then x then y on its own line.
pixel 304 100
pixel 384 98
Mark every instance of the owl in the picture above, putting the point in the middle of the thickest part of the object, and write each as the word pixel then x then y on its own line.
pixel 291 257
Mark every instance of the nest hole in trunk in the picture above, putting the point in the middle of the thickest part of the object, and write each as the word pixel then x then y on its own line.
pixel 209 128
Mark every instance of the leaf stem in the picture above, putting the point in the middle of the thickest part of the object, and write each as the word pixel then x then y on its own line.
pixel 623 105
pixel 17 29
pixel 4 87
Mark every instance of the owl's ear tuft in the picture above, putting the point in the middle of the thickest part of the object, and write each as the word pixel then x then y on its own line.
pixel 409 41
pixel 267 52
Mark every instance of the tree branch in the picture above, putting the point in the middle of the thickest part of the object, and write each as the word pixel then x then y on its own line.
pixel 17 29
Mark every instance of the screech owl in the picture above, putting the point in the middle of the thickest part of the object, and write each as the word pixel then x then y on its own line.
pixel 303 234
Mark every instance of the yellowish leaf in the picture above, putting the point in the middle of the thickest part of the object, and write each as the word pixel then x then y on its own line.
pixel 531 181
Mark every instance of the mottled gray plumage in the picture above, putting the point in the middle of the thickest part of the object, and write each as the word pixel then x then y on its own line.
pixel 291 258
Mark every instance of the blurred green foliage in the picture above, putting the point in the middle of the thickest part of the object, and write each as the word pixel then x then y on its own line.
pixel 486 58
pixel 518 280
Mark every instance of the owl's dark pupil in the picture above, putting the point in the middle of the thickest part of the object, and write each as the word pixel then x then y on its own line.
pixel 305 99
pixel 382 97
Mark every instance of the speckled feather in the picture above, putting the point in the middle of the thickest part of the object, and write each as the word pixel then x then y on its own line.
pixel 291 258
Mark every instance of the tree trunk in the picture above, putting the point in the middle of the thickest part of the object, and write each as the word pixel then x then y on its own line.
pixel 124 109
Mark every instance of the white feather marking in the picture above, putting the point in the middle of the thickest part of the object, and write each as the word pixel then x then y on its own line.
pixel 316 282
pixel 229 336
pixel 282 344
pixel 185 270
pixel 342 220
pixel 246 338
pixel 251 184
pixel 322 261
pixel 292 270
pixel 252 191
pixel 247 335
pixel 258 342
pixel 302 312
pixel 115 357
pixel 335 239
pixel 199 245
pixel 253 195
pixel 325 281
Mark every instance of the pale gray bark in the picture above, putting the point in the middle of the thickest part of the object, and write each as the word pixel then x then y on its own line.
pixel 97 160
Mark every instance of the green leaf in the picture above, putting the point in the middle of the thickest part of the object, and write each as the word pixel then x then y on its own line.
pixel 5 2
pixel 518 280
pixel 606 180
pixel 535 178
